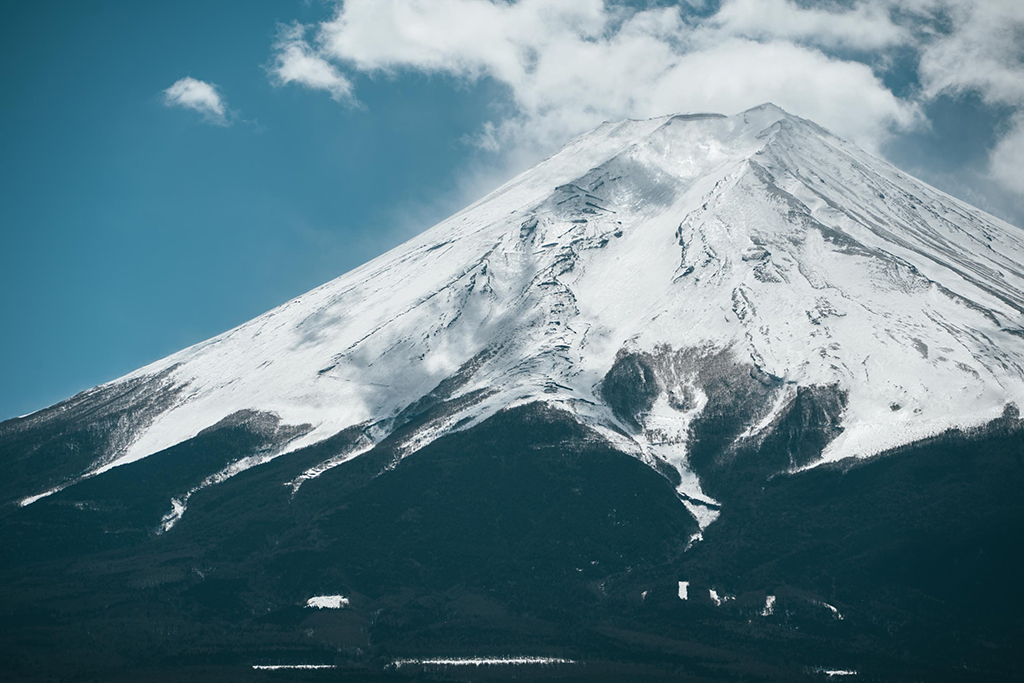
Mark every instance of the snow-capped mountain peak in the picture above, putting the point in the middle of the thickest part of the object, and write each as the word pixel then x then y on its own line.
pixel 648 277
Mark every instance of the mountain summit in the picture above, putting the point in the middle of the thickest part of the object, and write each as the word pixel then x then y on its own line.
pixel 623 279
pixel 729 300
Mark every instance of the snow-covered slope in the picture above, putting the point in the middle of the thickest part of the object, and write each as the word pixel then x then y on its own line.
pixel 694 242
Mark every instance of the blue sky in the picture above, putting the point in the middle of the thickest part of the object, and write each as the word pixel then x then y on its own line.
pixel 136 222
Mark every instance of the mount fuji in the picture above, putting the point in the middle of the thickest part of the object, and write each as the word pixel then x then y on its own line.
pixel 720 397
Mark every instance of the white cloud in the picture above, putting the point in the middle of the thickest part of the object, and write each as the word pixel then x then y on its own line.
pixel 466 37
pixel 570 64
pixel 867 26
pixel 296 62
pixel 199 96
pixel 567 65
pixel 982 51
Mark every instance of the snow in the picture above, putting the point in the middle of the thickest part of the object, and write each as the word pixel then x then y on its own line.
pixel 684 587
pixel 278 667
pixel 702 513
pixel 835 612
pixel 328 602
pixel 180 503
pixel 719 600
pixel 482 661
pixel 769 606
pixel 759 233
pixel 178 506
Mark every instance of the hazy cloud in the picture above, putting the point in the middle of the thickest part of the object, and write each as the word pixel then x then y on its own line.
pixel 200 96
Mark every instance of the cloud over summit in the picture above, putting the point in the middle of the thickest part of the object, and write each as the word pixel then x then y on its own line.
pixel 567 65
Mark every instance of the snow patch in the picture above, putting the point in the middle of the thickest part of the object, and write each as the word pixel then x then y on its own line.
pixel 328 602
pixel 835 612
pixel 684 587
pixel 317 470
pixel 704 514
pixel 769 606
pixel 178 505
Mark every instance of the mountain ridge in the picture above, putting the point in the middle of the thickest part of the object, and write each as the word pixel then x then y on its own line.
pixel 714 398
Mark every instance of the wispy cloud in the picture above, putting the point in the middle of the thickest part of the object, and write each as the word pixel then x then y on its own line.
pixel 981 50
pixel 296 62
pixel 199 96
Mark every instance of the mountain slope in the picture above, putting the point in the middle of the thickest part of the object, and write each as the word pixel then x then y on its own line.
pixel 702 397
pixel 692 247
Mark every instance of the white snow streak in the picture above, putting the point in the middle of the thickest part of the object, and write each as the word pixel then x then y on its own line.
pixel 316 471
pixel 277 667
pixel 483 661
pixel 25 502
pixel 328 602
pixel 703 514
pixel 168 521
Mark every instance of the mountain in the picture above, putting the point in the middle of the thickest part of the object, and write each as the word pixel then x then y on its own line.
pixel 704 396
